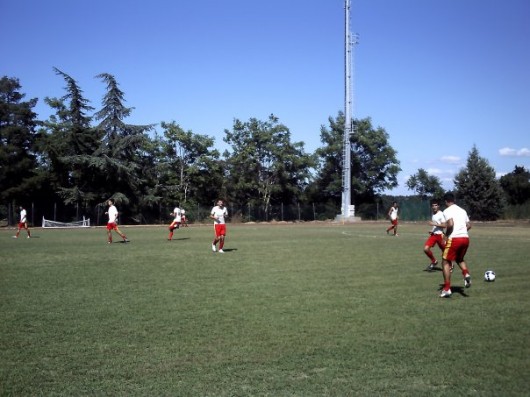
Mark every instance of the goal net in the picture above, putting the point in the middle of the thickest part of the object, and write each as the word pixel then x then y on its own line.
pixel 53 224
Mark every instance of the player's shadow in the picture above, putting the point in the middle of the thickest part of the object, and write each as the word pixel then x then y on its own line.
pixel 434 269
pixel 229 249
pixel 179 239
pixel 456 290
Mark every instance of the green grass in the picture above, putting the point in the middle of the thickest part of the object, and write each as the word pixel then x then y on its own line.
pixel 288 310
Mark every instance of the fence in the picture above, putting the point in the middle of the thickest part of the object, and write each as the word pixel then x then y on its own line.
pixel 411 209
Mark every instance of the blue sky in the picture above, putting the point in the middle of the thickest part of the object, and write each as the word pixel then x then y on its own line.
pixel 439 77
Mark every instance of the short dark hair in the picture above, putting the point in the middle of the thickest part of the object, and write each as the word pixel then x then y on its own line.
pixel 435 201
pixel 449 197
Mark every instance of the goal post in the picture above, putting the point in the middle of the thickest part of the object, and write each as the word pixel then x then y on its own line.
pixel 59 225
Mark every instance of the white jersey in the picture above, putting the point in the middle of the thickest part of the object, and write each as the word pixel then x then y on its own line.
pixel 23 215
pixel 438 218
pixel 219 214
pixel 113 214
pixel 178 214
pixel 393 213
pixel 460 220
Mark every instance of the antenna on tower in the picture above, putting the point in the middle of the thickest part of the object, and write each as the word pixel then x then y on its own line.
pixel 347 210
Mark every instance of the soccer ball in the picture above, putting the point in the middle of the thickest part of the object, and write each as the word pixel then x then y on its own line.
pixel 489 275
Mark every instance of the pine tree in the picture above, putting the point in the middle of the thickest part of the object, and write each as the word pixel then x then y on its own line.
pixel 18 159
pixel 477 186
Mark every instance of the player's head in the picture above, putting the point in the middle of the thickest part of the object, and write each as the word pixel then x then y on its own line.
pixel 449 197
pixel 435 204
pixel 220 203
pixel 110 202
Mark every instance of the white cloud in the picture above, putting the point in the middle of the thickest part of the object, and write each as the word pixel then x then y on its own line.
pixel 509 152
pixel 450 159
pixel 435 171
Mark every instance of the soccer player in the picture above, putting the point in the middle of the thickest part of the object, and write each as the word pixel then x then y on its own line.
pixel 23 223
pixel 457 225
pixel 436 234
pixel 177 213
pixel 218 214
pixel 112 224
pixel 393 215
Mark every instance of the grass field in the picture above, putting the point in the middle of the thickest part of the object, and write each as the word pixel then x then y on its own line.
pixel 288 310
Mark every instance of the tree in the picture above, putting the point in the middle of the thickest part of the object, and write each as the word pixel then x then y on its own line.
pixel 516 185
pixel 374 163
pixel 477 186
pixel 123 155
pixel 19 179
pixel 374 166
pixel 327 185
pixel 68 145
pixel 264 167
pixel 189 166
pixel 427 186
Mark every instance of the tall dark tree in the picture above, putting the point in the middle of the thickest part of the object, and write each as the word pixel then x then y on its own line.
pixel 19 178
pixel 374 165
pixel 477 186
pixel 426 186
pixel 516 185
pixel 327 184
pixel 69 143
pixel 122 154
pixel 264 166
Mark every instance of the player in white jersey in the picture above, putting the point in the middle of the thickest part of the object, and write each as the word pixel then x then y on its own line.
pixel 23 223
pixel 176 221
pixel 393 215
pixel 436 234
pixel 219 214
pixel 112 224
pixel 457 225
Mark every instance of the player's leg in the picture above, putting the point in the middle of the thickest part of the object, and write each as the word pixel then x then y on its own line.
pixel 122 235
pixel 446 290
pixel 222 235
pixel 462 249
pixel 18 230
pixel 428 252
pixel 216 238
pixel 465 273
pixel 448 257
pixel 171 228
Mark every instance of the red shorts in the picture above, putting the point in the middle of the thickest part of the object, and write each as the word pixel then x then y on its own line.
pixel 394 222
pixel 455 249
pixel 435 239
pixel 174 225
pixel 220 229
pixel 22 225
pixel 112 226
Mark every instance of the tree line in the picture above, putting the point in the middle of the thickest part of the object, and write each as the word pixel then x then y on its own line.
pixel 81 155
